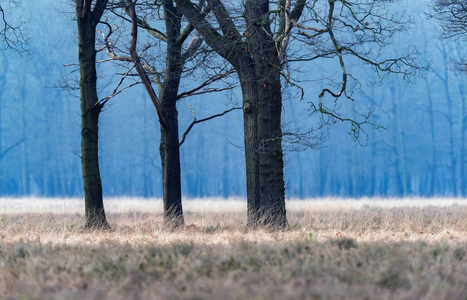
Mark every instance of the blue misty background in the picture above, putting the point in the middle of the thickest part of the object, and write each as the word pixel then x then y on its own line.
pixel 422 152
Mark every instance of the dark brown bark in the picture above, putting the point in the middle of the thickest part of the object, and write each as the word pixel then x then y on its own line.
pixel 166 109
pixel 267 68
pixel 94 206
pixel 258 68
pixel 250 123
pixel 170 161
pixel 170 144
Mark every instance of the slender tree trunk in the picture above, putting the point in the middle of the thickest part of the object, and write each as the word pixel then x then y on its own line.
pixel 399 142
pixel 170 160
pixel 452 154
pixel 94 206
pixel 24 148
pixel 462 122
pixel 170 143
pixel 434 159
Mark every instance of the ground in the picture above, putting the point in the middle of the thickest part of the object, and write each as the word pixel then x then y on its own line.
pixel 335 249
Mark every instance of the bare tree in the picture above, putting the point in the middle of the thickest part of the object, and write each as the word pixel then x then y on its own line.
pixel 256 53
pixel 262 50
pixel 452 18
pixel 87 18
pixel 182 51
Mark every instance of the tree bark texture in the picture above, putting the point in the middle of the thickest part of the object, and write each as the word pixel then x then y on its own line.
pixel 169 146
pixel 267 67
pixel 90 110
pixel 250 124
pixel 258 67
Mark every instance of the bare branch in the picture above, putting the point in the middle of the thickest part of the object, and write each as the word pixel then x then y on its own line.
pixel 452 16
pixel 206 83
pixel 203 120
pixel 142 23
pixel 13 36
pixel 138 66
pixel 115 91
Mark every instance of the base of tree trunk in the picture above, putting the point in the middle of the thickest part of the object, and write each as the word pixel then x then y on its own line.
pixel 97 221
pixel 275 222
pixel 173 223
pixel 97 226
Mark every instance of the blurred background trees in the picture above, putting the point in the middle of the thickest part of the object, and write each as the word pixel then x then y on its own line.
pixel 421 153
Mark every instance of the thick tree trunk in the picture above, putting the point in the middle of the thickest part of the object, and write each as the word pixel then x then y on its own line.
pixel 250 123
pixel 170 160
pixel 267 68
pixel 94 206
pixel 257 64
pixel 272 191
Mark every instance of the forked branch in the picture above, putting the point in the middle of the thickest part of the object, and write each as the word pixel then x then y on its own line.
pixel 139 68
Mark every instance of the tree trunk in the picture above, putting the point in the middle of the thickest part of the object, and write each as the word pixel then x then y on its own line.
pixel 94 206
pixel 258 67
pixel 272 190
pixel 250 124
pixel 24 147
pixel 399 142
pixel 267 68
pixel 434 158
pixel 170 161
pixel 450 118
pixel 170 144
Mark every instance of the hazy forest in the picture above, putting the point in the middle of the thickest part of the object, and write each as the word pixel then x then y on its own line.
pixel 419 152
pixel 246 149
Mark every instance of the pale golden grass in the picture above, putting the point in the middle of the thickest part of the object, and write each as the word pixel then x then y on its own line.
pixel 335 248
pixel 224 221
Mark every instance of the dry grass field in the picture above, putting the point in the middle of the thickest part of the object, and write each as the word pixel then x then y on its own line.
pixel 335 249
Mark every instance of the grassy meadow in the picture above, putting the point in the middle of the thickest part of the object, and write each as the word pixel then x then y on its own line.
pixel 335 249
